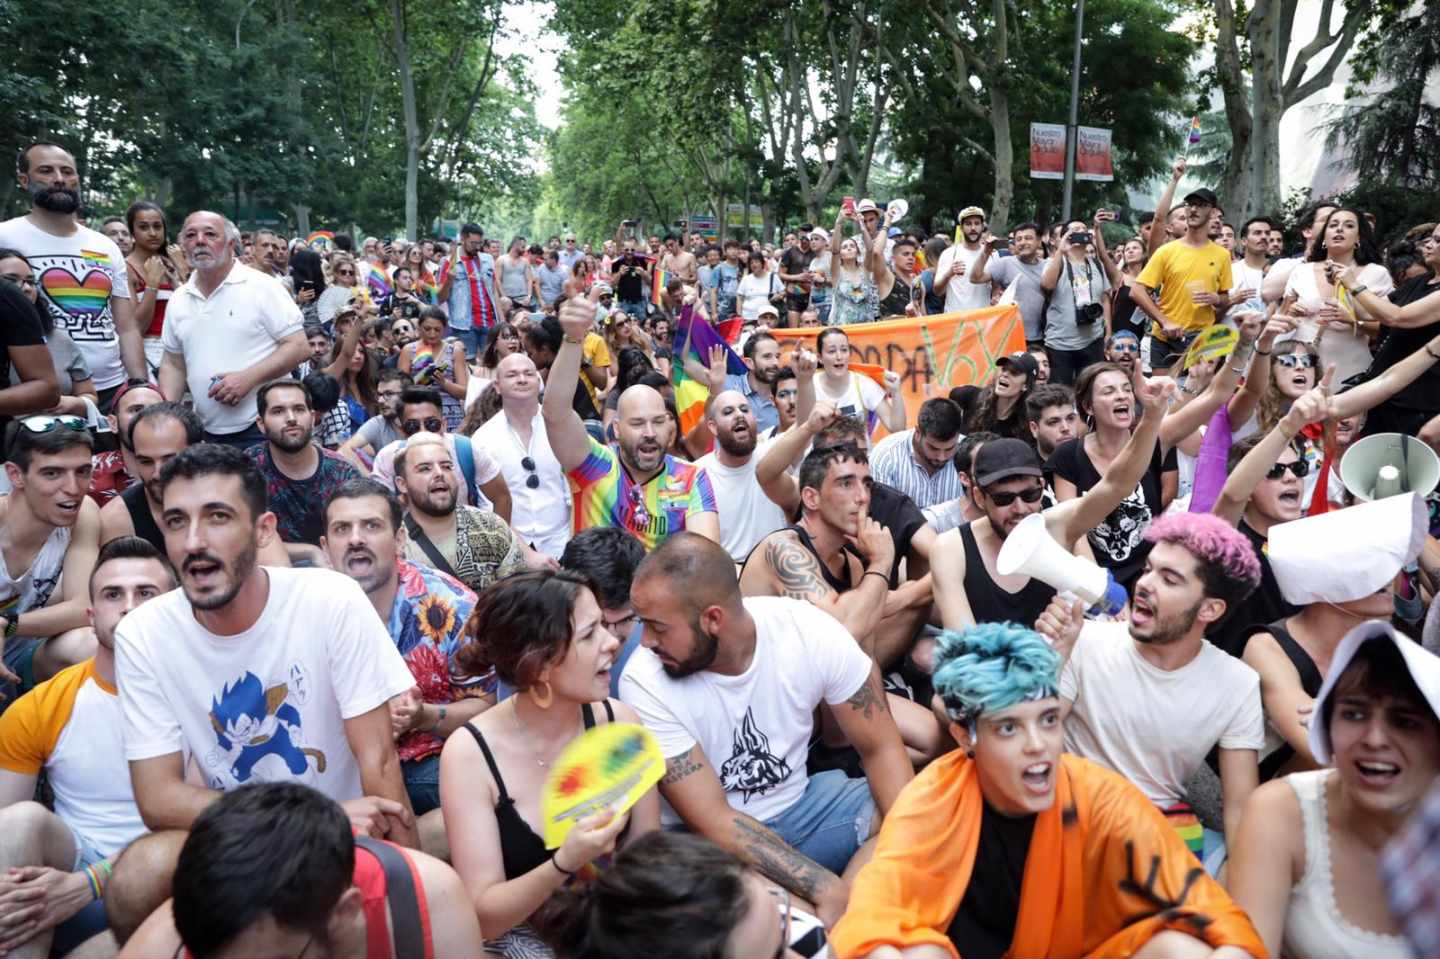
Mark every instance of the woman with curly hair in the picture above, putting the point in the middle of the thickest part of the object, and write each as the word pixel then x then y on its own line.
pixel 543 634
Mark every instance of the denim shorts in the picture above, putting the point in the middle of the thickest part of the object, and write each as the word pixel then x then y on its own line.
pixel 472 338
pixel 422 783
pixel 830 821
pixel 85 852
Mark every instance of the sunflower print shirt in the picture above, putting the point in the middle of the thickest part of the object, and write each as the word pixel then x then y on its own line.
pixel 427 624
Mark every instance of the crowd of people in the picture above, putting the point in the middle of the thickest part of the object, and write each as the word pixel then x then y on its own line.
pixel 316 559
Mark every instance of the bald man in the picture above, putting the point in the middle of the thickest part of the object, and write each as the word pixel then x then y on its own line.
pixel 746 514
pixel 729 685
pixel 228 330
pixel 540 499
pixel 635 485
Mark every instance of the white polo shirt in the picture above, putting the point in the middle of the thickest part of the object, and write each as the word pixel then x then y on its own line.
pixel 232 329
pixel 541 515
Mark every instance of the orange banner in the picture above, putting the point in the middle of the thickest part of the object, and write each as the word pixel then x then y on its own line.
pixel 947 350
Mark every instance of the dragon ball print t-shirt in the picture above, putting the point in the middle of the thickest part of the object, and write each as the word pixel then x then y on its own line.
pixel 754 728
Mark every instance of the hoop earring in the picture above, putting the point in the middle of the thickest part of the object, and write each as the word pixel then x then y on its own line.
pixel 970 754
pixel 546 701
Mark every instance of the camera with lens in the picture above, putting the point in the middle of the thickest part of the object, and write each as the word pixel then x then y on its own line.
pixel 1080 239
pixel 1089 313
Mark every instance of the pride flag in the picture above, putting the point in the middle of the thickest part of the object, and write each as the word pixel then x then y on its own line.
pixel 658 285
pixel 427 288
pixel 690 395
pixel 1194 131
pixel 378 281
pixel 870 371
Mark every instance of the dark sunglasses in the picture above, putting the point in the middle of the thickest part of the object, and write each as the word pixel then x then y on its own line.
pixel 1124 347
pixel 431 424
pixel 1030 495
pixel 1300 469
pixel 528 465
pixel 49 424
pixel 1296 361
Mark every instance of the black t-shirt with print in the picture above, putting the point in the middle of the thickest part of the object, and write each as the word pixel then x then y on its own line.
pixel 1119 540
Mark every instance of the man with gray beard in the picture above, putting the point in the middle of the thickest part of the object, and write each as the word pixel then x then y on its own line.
pixel 79 274
pixel 746 514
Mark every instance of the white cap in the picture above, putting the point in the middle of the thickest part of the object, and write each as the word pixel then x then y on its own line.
pixel 770 309
pixel 821 233
pixel 1379 538
pixel 1424 667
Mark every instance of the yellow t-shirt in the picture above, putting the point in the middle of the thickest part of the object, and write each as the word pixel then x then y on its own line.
pixel 597 354
pixel 1178 270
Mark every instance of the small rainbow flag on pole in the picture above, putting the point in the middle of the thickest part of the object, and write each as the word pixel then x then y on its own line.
pixel 690 396
pixel 379 282
pixel 657 287
pixel 1194 137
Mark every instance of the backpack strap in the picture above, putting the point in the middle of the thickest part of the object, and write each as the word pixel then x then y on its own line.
pixel 407 927
pixel 466 456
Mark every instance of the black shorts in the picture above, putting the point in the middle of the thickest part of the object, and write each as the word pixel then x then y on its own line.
pixel 797 302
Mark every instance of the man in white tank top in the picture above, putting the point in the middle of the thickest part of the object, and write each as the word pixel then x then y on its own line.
pixel 48 527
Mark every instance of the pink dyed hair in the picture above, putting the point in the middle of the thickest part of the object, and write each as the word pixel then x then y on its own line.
pixel 1214 542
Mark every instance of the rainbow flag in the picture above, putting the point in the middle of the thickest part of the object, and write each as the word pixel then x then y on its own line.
pixel 379 281
pixel 1194 131
pixel 322 241
pixel 690 395
pixel 657 287
pixel 428 289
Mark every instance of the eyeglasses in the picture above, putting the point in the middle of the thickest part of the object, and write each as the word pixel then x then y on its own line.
pixel 346 272
pixel 49 424
pixel 1031 495
pixel 620 627
pixel 528 465
pixel 1300 469
pixel 431 424
pixel 782 903
pixel 1296 361
pixel 388 394
pixel 1124 348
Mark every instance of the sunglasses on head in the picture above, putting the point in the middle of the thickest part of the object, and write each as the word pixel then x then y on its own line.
pixel 49 424
pixel 430 424
pixel 1030 495
pixel 1296 361
pixel 1300 469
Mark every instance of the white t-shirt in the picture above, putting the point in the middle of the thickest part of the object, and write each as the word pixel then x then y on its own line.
pixel 1243 276
pixel 960 293
pixel 1152 726
pixel 77 276
pixel 268 704
pixel 755 291
pixel 234 328
pixel 860 397
pixel 754 728
pixel 746 514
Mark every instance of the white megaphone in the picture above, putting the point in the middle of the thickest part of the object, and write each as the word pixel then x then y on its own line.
pixel 1387 464
pixel 1032 551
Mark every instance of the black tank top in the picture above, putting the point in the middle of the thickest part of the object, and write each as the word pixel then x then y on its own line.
pixel 991 604
pixel 839 584
pixel 520 849
pixel 896 302
pixel 1310 681
pixel 141 518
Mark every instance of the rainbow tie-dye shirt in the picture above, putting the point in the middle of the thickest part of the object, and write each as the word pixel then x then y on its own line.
pixel 606 496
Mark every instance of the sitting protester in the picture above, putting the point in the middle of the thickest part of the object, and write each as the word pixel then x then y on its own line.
pixel 1006 847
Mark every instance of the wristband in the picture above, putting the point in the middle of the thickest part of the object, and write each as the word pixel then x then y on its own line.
pixel 876 572
pixel 1260 352
pixel 555 861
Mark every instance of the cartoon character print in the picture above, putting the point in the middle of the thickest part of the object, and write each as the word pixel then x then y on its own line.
pixel 752 769
pixel 1123 530
pixel 254 723
pixel 76 290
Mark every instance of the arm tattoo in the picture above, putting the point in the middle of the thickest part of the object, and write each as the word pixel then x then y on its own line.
pixel 679 767
pixel 797 571
pixel 870 697
pixel 778 862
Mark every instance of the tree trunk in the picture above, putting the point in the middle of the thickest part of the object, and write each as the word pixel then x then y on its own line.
pixel 412 121
pixel 1004 157
pixel 1266 107
pixel 302 219
pixel 1235 183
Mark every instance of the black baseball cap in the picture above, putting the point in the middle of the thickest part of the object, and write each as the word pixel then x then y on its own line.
pixel 1202 195
pixel 1021 362
pixel 1004 459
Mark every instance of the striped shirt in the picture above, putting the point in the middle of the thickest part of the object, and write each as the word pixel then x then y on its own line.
pixel 893 462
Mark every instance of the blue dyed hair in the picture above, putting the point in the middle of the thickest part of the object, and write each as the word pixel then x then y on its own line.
pixel 993 666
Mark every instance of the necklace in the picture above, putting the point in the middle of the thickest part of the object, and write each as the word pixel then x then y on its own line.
pixel 515 715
